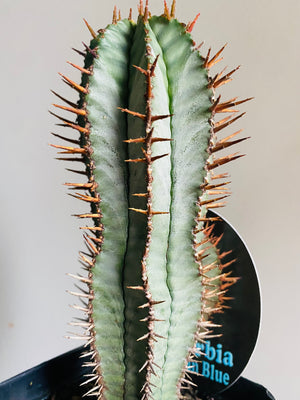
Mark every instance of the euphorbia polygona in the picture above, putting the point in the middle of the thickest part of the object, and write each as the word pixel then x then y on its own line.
pixel 148 144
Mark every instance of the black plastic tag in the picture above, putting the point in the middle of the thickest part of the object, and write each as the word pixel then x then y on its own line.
pixel 226 356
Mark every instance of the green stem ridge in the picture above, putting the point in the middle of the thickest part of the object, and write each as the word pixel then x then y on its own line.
pixel 148 141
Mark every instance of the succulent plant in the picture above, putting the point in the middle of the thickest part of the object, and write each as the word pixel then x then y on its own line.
pixel 148 143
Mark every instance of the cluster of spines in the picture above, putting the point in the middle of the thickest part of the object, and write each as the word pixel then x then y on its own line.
pixel 82 153
pixel 214 191
pixel 151 336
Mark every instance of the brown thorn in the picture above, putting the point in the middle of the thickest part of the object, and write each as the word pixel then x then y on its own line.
pixel 205 231
pixel 220 176
pixel 138 210
pixel 228 263
pixel 95 391
pixel 166 11
pixel 188 382
pixel 159 336
pixel 70 159
pixel 80 278
pixel 86 260
pixel 81 53
pixel 144 366
pixel 91 354
pixel 77 337
pixel 217 76
pixel 153 66
pixel 136 287
pixel 81 69
pixel 114 18
pixel 135 114
pixel 227 298
pixel 224 160
pixel 159 139
pixel 153 302
pixel 142 70
pixel 208 231
pixel 92 32
pixel 221 122
pixel 140 194
pixel 67 121
pixel 74 141
pixel 74 84
pixel 84 291
pixel 144 305
pixel 209 267
pixel 137 140
pixel 214 60
pixel 77 111
pixel 69 150
pixel 231 121
pixel 77 172
pixel 216 205
pixel 136 160
pixel 218 240
pixel 78 294
pixel 224 254
pixel 230 136
pixel 158 117
pixel 173 9
pixel 90 245
pixel 225 107
pixel 152 319
pixel 204 241
pixel 93 52
pixel 207 57
pixel 229 101
pixel 85 186
pixel 119 16
pixel 199 46
pixel 215 104
pixel 96 240
pixel 141 7
pixel 88 215
pixel 93 378
pixel 218 192
pixel 190 25
pixel 84 197
pixel 75 126
pixel 143 140
pixel 92 228
pixel 146 12
pixel 205 202
pixel 226 78
pixel 211 219
pixel 208 280
pixel 65 100
pixel 217 185
pixel 225 277
pixel 158 157
pixel 130 14
pixel 143 337
pixel 154 363
pixel 222 145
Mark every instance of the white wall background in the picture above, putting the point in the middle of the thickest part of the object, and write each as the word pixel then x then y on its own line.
pixel 39 239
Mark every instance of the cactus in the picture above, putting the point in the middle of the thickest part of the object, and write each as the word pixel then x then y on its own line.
pixel 148 143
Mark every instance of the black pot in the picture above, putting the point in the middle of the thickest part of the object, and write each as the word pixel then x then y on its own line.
pixel 60 379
